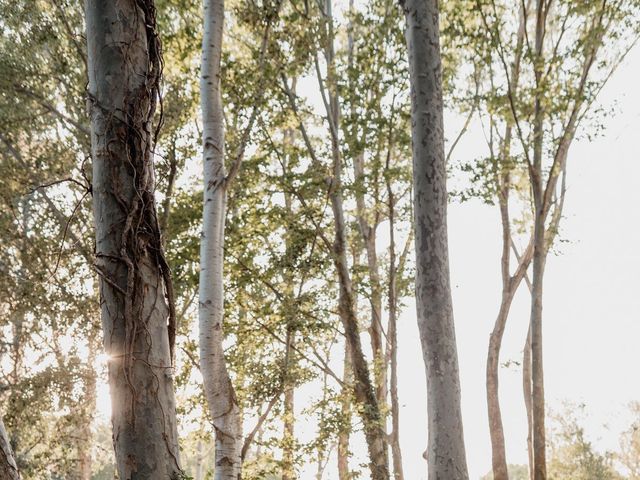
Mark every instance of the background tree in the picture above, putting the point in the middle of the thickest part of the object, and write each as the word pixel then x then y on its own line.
pixel 531 53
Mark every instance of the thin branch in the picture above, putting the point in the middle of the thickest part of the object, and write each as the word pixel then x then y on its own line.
pixel 235 166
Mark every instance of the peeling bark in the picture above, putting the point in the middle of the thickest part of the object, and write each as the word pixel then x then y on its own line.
pixel 136 293
pixel 446 451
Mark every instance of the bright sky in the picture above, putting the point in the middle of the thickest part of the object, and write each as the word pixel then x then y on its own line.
pixel 591 300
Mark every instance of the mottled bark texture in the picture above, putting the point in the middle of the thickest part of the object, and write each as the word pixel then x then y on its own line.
pixel 135 285
pixel 8 467
pixel 445 451
pixel 218 389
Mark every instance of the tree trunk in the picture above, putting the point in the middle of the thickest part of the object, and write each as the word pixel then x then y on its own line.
pixel 396 451
pixel 510 284
pixel 392 330
pixel 200 459
pixel 363 387
pixel 538 407
pixel 288 448
pixel 219 391
pixel 8 467
pixel 445 451
pixel 537 371
pixel 343 436
pixel 288 460
pixel 364 391
pixel 89 406
pixel 526 388
pixel 496 431
pixel 135 284
pixel 368 233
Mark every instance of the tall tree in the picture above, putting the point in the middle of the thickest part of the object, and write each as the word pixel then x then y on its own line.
pixel 446 455
pixel 219 391
pixel 363 386
pixel 125 67
pixel 523 54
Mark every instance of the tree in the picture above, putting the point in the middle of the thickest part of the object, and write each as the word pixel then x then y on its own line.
pixel 219 390
pixel 446 455
pixel 531 52
pixel 572 455
pixel 629 454
pixel 8 467
pixel 138 315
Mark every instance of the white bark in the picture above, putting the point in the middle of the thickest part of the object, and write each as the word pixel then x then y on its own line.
pixel 445 452
pixel 218 388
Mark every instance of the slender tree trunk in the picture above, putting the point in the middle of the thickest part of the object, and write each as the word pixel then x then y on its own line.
pixel 289 313
pixel 8 467
pixel 200 458
pixel 368 231
pixel 537 371
pixel 509 284
pixel 363 387
pixel 396 451
pixel 219 391
pixel 345 407
pixel 136 293
pixel 321 452
pixel 446 451
pixel 368 234
pixel 364 391
pixel 89 406
pixel 288 460
pixel 496 431
pixel 526 388
pixel 509 287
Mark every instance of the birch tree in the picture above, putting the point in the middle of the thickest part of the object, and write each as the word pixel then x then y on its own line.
pixel 124 66
pixel 219 391
pixel 218 386
pixel 446 455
